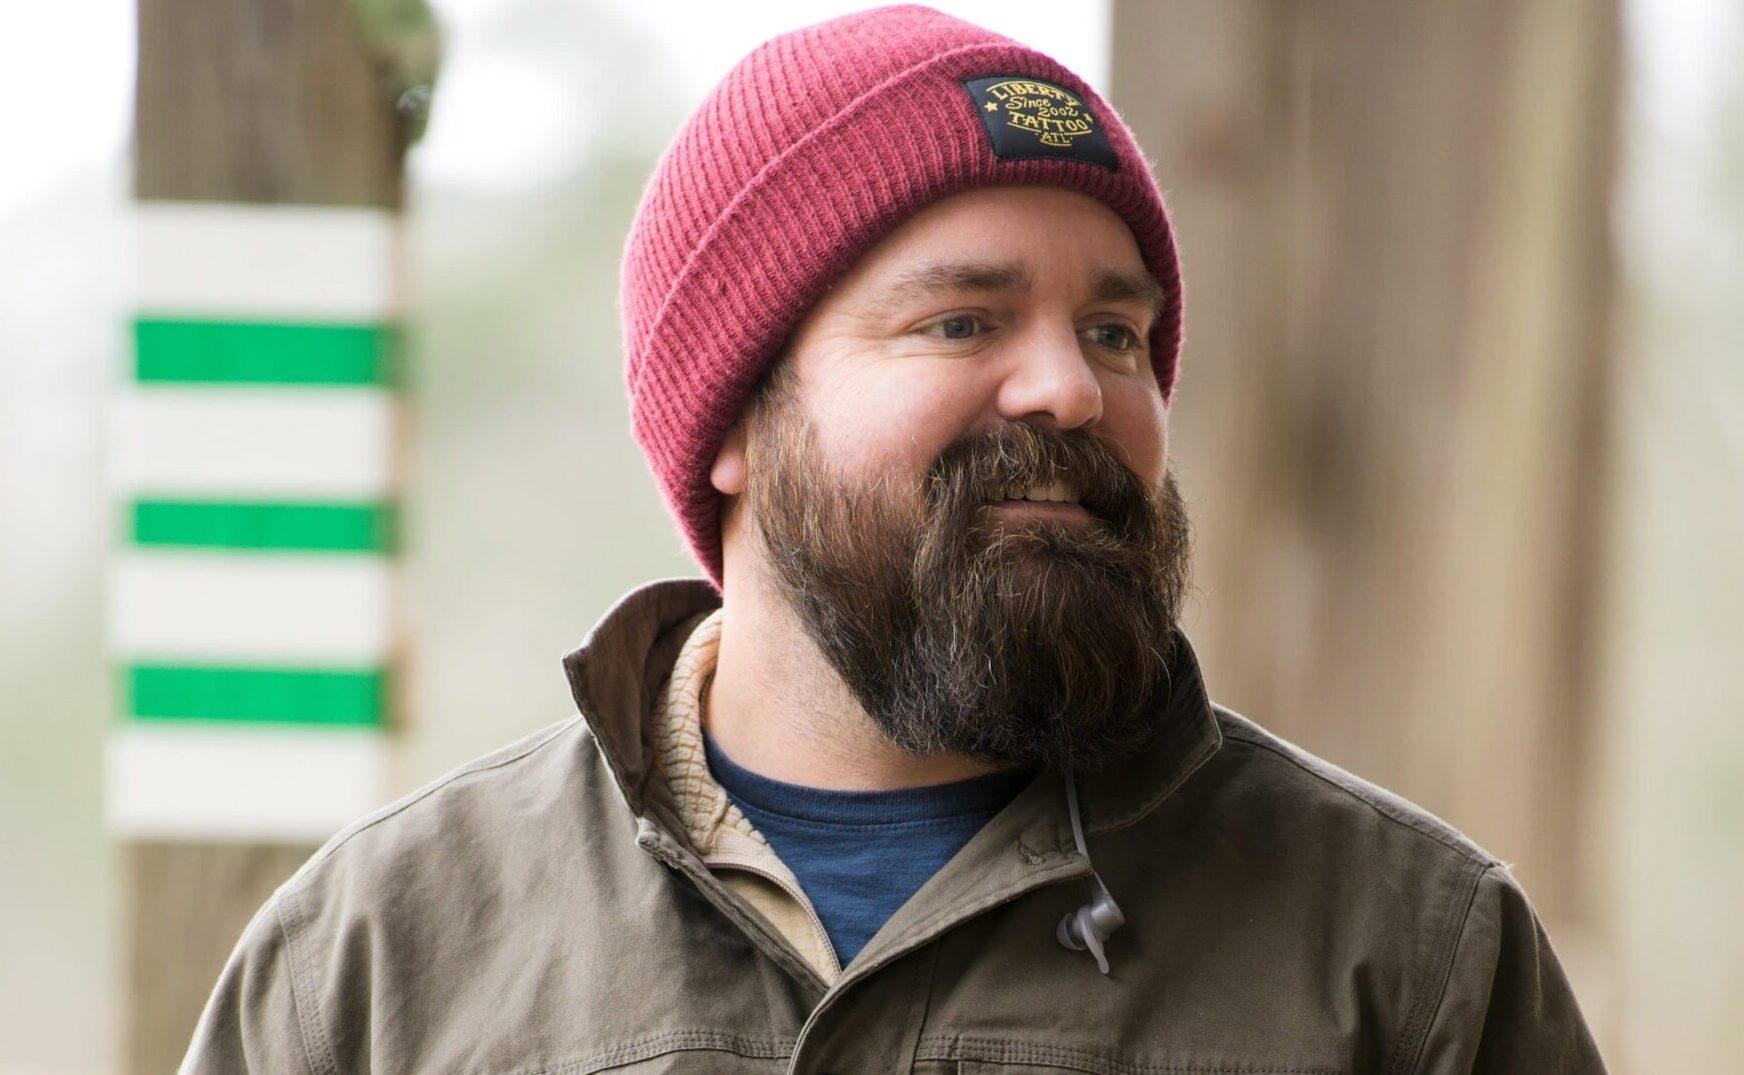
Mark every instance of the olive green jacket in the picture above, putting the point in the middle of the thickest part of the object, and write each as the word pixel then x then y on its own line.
pixel 543 911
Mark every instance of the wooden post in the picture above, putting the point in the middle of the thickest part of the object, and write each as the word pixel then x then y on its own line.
pixel 1393 419
pixel 252 605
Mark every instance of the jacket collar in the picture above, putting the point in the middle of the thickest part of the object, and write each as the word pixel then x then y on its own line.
pixel 1188 735
pixel 616 673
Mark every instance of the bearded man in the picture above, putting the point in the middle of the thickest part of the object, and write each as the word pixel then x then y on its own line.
pixel 925 777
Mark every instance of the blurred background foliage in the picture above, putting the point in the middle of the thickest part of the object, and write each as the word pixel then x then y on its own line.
pixel 528 508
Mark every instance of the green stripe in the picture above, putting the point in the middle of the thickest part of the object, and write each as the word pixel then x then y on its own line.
pixel 236 352
pixel 267 525
pixel 257 695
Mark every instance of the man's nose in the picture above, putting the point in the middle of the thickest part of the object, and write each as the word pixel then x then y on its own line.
pixel 1050 381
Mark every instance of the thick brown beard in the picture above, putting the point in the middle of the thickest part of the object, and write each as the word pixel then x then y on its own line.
pixel 1029 643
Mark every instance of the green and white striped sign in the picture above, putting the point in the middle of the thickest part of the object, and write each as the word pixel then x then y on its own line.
pixel 252 600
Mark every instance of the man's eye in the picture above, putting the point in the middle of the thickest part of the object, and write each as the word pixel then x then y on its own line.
pixel 1115 337
pixel 961 327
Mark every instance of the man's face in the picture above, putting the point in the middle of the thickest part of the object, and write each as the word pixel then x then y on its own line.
pixel 958 482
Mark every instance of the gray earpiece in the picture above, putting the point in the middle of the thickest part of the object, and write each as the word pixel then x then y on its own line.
pixel 1092 924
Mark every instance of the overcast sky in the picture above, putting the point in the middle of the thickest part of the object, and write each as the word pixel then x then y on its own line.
pixel 66 71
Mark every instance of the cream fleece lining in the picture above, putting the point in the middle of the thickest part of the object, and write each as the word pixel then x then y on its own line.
pixel 729 844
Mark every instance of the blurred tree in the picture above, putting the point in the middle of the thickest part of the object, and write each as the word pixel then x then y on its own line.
pixel 1393 421
pixel 270 104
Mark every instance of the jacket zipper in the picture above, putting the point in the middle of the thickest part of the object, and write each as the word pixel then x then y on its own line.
pixel 658 846
pixel 819 933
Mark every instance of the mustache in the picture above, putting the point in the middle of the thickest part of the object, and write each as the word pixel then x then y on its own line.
pixel 1004 461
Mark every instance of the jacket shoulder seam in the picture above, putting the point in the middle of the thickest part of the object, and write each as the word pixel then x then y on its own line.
pixel 317 1050
pixel 1416 1030
pixel 387 813
pixel 1470 853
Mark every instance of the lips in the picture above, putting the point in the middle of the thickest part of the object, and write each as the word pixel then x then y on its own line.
pixel 1056 499
pixel 1054 492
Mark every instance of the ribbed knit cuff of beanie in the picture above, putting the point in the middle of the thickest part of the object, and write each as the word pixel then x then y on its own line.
pixel 815 146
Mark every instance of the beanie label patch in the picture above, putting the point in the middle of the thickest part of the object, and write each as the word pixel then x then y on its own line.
pixel 1029 119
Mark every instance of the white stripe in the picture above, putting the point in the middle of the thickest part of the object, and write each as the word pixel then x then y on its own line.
pixel 266 261
pixel 281 609
pixel 250 442
pixel 185 781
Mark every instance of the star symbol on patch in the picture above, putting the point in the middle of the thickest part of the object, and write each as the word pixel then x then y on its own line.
pixel 991 107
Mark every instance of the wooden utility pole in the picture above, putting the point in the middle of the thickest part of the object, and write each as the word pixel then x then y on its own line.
pixel 252 616
pixel 1393 418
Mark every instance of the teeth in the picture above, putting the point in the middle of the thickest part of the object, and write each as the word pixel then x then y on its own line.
pixel 1053 492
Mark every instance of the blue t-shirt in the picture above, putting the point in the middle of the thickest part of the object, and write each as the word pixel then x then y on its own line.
pixel 859 855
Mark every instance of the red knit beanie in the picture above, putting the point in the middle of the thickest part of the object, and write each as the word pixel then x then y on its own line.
pixel 813 148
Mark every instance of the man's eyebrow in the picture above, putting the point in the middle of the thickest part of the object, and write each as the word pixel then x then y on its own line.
pixel 1140 287
pixel 958 276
